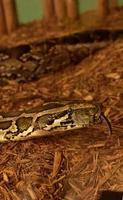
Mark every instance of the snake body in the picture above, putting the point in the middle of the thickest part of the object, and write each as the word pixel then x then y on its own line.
pixel 51 117
pixel 31 61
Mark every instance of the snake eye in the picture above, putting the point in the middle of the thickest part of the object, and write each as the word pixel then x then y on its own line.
pixel 50 121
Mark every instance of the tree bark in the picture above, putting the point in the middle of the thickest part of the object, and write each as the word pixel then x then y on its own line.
pixel 2 19
pixel 49 11
pixel 9 8
pixel 103 8
pixel 60 10
pixel 72 9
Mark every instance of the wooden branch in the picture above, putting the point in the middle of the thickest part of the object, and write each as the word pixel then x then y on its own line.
pixel 72 9
pixel 10 13
pixel 60 10
pixel 103 8
pixel 48 8
pixel 113 4
pixel 2 19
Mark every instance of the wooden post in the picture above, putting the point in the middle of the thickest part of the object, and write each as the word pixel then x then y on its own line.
pixel 60 10
pixel 49 11
pixel 10 15
pixel 113 4
pixel 2 19
pixel 102 8
pixel 72 9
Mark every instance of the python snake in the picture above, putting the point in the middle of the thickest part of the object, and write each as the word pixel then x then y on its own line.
pixel 51 117
pixel 29 62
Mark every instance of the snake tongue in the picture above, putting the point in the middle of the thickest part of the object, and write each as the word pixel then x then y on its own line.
pixel 104 118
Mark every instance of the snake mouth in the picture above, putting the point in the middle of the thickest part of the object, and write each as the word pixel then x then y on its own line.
pixel 104 118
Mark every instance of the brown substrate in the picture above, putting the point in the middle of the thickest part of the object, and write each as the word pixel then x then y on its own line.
pixel 78 164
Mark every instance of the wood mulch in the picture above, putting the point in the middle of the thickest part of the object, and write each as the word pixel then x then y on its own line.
pixel 78 164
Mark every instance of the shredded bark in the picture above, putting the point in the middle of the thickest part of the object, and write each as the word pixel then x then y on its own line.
pixel 77 164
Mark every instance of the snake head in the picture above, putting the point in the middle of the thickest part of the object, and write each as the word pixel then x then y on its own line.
pixel 98 116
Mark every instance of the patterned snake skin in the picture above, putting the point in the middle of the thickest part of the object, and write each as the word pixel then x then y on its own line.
pixel 51 117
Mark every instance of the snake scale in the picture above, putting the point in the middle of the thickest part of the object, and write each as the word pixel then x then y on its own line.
pixel 51 117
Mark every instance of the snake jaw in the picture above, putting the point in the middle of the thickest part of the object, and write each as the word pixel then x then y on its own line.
pixel 104 118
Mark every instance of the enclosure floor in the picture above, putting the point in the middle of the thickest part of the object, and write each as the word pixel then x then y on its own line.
pixel 74 165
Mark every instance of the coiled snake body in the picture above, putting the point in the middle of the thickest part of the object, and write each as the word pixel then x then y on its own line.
pixel 51 117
